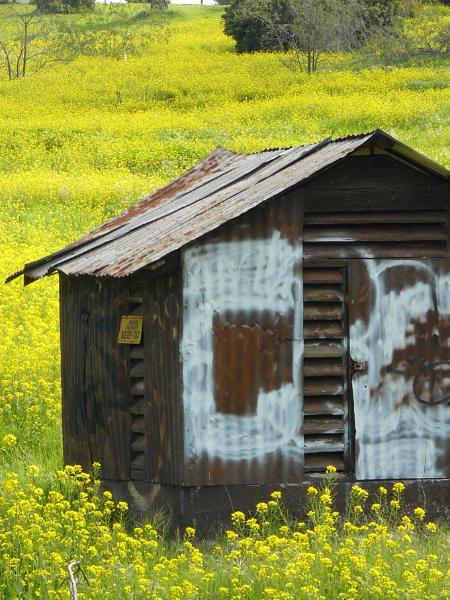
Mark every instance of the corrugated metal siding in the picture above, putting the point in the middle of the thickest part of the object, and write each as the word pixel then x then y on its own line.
pixel 368 235
pixel 242 351
pixel 73 320
pixel 164 424
pixel 121 403
pixel 364 208
pixel 94 375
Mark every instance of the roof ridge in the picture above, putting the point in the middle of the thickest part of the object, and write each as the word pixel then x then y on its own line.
pixel 351 136
pixel 215 190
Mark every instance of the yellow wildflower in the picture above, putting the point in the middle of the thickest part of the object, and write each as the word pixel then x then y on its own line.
pixel 398 487
pixel 419 513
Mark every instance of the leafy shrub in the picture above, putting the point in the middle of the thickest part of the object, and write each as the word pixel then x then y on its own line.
pixel 256 24
pixel 64 6
pixel 153 3
pixel 252 23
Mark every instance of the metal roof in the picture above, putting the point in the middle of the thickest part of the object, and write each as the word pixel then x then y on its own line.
pixel 221 187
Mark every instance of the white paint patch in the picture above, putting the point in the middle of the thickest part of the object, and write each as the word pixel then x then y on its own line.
pixel 397 439
pixel 249 275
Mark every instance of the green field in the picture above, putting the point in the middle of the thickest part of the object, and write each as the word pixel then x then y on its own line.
pixel 81 141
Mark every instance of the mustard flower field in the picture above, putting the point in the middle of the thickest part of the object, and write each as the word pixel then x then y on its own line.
pixel 379 552
pixel 78 143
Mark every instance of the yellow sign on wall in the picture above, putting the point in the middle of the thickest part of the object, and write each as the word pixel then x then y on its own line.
pixel 130 330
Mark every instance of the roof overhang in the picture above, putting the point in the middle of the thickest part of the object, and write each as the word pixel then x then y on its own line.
pixel 200 200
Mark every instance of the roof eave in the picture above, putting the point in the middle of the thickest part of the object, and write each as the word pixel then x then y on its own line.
pixel 50 264
pixel 395 147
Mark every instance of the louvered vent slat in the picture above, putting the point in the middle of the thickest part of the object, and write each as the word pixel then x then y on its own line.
pixel 138 424
pixel 138 387
pixel 138 407
pixel 322 330
pixel 138 446
pixel 322 293
pixel 402 234
pixel 138 462
pixel 323 386
pixel 324 368
pixel 323 349
pixel 137 369
pixel 137 352
pixel 323 405
pixel 323 311
pixel 316 461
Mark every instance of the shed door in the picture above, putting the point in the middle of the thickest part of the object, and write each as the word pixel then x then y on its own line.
pixel 400 349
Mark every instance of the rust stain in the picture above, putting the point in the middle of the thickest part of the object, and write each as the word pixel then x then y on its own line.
pixel 401 403
pixel 209 166
pixel 247 358
pixel 425 361
pixel 222 187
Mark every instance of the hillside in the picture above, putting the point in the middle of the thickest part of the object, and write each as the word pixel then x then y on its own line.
pixel 81 141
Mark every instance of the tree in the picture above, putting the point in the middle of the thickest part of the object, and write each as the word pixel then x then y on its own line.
pixel 308 28
pixel 319 26
pixel 29 42
pixel 253 23
pixel 117 31
pixel 64 6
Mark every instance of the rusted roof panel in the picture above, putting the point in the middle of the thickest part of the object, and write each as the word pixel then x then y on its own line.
pixel 221 187
pixel 150 238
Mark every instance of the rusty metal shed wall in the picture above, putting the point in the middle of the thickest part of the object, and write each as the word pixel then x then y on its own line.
pixel 253 350
pixel 241 350
pixel 164 419
pixel 391 237
pixel 94 375
pixel 242 359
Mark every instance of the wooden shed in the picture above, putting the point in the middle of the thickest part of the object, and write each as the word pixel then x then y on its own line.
pixel 295 313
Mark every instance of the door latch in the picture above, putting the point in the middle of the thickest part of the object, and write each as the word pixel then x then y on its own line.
pixel 358 366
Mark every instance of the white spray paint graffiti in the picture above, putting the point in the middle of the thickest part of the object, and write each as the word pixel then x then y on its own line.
pixel 248 275
pixel 397 439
